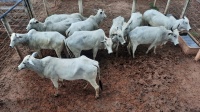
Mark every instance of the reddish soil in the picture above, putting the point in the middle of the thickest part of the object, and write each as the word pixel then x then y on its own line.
pixel 162 82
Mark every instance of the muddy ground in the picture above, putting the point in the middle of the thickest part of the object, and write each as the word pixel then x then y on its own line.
pixel 163 82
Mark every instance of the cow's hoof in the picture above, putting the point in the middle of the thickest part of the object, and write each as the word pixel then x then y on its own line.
pixel 97 97
pixel 56 95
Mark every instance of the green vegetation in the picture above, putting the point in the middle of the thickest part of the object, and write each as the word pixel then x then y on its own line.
pixel 153 7
pixel 195 34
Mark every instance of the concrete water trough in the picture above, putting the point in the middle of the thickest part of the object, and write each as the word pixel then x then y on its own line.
pixel 188 43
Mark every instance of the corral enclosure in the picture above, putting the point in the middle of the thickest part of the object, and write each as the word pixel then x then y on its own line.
pixel 166 81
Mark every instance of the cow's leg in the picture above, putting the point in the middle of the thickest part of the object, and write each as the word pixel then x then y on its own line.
pixel 95 50
pixel 134 46
pixel 55 83
pixel 75 51
pixel 117 49
pixel 85 86
pixel 96 87
pixel 62 82
pixel 151 46
pixel 39 53
pixel 128 48
pixel 70 54
pixel 65 51
pixel 154 49
pixel 58 52
pixel 77 54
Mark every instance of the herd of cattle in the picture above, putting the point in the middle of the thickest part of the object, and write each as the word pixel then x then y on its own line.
pixel 73 33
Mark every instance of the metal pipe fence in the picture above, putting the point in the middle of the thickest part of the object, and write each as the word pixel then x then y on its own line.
pixel 14 18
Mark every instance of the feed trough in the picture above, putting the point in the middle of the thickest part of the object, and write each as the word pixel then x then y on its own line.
pixel 188 43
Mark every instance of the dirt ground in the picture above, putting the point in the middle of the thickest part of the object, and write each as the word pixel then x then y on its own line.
pixel 168 81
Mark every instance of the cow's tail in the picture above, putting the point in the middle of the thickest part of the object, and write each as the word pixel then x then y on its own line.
pixel 69 51
pixel 65 49
pixel 67 32
pixel 98 74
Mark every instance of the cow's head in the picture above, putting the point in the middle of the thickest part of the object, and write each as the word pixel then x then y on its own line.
pixel 119 35
pixel 174 36
pixel 27 61
pixel 108 44
pixel 33 24
pixel 14 39
pixel 101 13
pixel 184 24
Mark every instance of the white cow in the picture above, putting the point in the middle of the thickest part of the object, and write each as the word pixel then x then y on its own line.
pixel 89 24
pixel 60 17
pixel 40 40
pixel 150 35
pixel 67 69
pixel 116 33
pixel 86 40
pixel 60 27
pixel 155 18
pixel 134 21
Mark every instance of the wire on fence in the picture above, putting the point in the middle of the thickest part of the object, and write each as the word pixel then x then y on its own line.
pixel 18 19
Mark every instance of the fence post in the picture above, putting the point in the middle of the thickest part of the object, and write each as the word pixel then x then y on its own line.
pixel 154 3
pixel 167 6
pixel 30 8
pixel 80 6
pixel 26 8
pixel 184 8
pixel 45 6
pixel 9 31
pixel 133 6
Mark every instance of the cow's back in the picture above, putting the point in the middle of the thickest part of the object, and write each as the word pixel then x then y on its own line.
pixel 85 39
pixel 85 25
pixel 45 39
pixel 70 69
pixel 146 34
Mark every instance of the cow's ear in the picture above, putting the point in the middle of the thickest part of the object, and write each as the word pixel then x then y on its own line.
pixel 18 36
pixel 34 54
pixel 113 38
pixel 30 61
pixel 95 10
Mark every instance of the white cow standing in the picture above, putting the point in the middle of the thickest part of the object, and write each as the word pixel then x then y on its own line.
pixel 86 40
pixel 116 33
pixel 91 23
pixel 60 26
pixel 156 18
pixel 150 35
pixel 67 69
pixel 40 40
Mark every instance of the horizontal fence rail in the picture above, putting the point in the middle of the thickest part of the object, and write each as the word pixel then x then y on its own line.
pixel 19 1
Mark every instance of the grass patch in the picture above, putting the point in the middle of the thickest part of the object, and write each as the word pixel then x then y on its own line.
pixel 153 7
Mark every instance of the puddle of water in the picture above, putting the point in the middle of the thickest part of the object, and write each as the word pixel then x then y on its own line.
pixel 190 42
